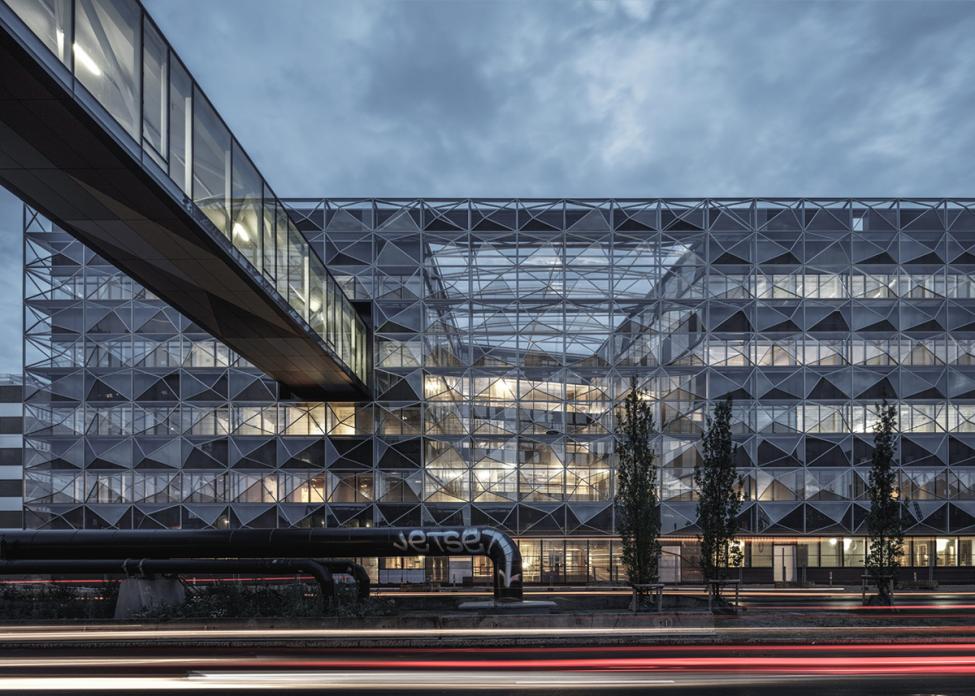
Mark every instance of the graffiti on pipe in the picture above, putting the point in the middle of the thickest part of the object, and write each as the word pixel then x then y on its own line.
pixel 450 541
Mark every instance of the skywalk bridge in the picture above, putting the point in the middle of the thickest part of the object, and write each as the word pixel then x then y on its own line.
pixel 105 132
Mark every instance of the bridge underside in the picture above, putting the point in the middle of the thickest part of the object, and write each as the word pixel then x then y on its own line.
pixel 56 156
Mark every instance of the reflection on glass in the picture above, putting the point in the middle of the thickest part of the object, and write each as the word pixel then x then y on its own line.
pixel 297 270
pixel 106 52
pixel 359 366
pixel 267 242
pixel 316 296
pixel 181 127
pixel 211 163
pixel 109 488
pixel 50 20
pixel 400 486
pixel 854 550
pixel 246 206
pixel 154 84
pixel 350 346
pixel 349 487
pixel 281 246
pixel 331 299
pixel 303 488
pixel 345 328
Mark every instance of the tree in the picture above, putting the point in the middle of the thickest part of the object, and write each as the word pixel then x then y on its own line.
pixel 885 523
pixel 719 490
pixel 638 511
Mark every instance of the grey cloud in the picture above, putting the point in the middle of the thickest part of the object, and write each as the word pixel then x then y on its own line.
pixel 596 97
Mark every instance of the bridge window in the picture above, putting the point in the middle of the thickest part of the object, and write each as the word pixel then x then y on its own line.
pixel 297 270
pixel 50 20
pixel 106 54
pixel 281 249
pixel 180 126
pixel 155 105
pixel 268 242
pixel 211 163
pixel 246 204
pixel 316 296
pixel 332 299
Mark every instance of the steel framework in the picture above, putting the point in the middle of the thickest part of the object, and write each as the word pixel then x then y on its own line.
pixel 505 332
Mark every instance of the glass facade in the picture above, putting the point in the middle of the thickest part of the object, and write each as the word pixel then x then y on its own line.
pixel 120 63
pixel 504 334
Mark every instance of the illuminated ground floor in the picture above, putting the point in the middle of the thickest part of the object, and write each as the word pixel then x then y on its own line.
pixel 581 561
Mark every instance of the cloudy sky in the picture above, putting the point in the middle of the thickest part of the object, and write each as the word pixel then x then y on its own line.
pixel 589 98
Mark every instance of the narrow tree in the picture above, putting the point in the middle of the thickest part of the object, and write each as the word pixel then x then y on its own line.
pixel 638 511
pixel 885 524
pixel 719 498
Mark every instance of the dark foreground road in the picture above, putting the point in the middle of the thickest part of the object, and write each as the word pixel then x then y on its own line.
pixel 916 668
pixel 788 643
pixel 505 683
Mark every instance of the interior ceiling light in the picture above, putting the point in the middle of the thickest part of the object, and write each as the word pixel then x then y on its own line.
pixel 241 232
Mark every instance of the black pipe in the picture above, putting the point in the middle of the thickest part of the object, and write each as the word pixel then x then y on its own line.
pixel 213 565
pixel 281 543
pixel 134 567
pixel 217 565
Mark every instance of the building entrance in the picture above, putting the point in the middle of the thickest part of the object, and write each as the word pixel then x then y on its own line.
pixel 784 562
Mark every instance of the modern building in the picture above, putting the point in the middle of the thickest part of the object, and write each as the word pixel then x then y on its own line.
pixel 492 340
pixel 503 334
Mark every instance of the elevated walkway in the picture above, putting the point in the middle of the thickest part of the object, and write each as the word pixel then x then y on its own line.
pixel 104 132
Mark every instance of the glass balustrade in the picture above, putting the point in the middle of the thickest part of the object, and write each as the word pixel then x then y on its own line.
pixel 120 58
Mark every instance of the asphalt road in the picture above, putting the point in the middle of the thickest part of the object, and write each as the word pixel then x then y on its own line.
pixel 739 659
pixel 917 668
